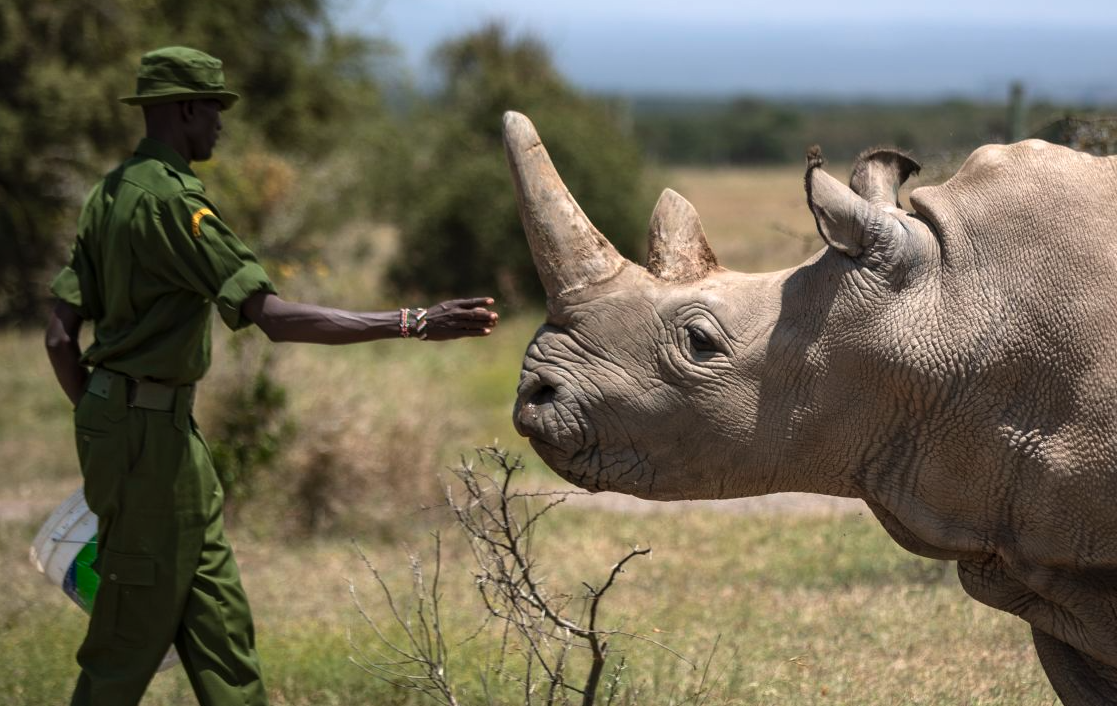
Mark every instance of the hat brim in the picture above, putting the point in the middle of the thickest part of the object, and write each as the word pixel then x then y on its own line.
pixel 228 99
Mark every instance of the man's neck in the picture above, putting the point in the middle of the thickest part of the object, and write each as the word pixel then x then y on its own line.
pixel 173 139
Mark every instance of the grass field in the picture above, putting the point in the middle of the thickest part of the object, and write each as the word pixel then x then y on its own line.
pixel 804 609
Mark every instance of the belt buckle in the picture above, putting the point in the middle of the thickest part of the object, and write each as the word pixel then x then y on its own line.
pixel 100 383
pixel 130 388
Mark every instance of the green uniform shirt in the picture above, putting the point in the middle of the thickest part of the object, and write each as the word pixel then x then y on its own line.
pixel 151 254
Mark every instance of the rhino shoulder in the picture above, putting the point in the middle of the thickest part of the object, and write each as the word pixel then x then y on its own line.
pixel 1027 177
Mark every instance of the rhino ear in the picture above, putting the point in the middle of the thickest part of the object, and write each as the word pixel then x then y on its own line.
pixel 850 219
pixel 677 246
pixel 878 174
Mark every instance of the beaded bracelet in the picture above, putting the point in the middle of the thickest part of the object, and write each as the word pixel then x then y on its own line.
pixel 416 321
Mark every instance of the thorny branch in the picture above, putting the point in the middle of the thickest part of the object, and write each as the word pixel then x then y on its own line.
pixel 501 541
pixel 421 664
pixel 499 524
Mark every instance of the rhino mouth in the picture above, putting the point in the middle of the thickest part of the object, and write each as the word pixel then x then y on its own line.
pixel 554 422
pixel 576 467
pixel 544 415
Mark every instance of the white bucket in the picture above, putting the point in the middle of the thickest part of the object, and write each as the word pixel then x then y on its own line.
pixel 64 551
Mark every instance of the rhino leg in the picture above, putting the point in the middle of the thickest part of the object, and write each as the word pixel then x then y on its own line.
pixel 1078 679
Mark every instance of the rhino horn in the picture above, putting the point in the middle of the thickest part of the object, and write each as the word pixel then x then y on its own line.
pixel 849 217
pixel 569 252
pixel 677 247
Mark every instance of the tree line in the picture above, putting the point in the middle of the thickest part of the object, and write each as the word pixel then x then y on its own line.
pixel 746 131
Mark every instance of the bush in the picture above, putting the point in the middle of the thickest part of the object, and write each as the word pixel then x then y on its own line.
pixel 1096 134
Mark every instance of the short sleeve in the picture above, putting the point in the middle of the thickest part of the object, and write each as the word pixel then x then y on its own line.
pixel 245 282
pixel 67 285
pixel 209 258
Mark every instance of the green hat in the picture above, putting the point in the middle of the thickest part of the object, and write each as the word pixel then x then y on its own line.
pixel 175 74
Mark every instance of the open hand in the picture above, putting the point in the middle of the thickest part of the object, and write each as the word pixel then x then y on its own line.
pixel 459 318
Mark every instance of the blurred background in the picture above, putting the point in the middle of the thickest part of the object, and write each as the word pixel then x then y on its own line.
pixel 388 112
pixel 364 164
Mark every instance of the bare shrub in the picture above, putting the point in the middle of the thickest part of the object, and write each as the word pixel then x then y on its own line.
pixel 1094 133
pixel 361 428
pixel 347 467
pixel 551 644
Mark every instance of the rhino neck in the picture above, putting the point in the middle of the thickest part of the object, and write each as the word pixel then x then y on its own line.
pixel 815 411
pixel 857 398
pixel 877 400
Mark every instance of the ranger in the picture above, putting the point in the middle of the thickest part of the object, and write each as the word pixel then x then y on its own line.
pixel 151 258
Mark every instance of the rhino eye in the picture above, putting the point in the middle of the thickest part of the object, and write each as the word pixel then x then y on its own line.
pixel 700 340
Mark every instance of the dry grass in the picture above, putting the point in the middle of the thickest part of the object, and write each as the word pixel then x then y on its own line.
pixel 38 463
pixel 804 612
pixel 756 220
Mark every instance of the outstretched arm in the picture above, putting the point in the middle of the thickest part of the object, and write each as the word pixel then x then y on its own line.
pixel 307 323
pixel 64 350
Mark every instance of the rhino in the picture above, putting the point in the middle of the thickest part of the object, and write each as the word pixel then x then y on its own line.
pixel 954 366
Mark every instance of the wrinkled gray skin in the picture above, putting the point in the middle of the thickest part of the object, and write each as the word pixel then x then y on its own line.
pixel 955 367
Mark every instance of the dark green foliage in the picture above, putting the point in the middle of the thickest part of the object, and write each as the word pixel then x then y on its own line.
pixel 744 131
pixel 61 67
pixel 63 64
pixel 460 232
pixel 753 131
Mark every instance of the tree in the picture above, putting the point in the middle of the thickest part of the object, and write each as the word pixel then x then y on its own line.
pixel 460 231
pixel 64 63
pixel 57 113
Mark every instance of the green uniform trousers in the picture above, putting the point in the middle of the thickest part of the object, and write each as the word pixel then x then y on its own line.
pixel 167 571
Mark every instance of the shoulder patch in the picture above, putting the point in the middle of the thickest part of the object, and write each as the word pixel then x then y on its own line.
pixel 196 220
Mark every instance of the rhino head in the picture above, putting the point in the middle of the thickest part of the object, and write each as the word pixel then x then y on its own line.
pixel 955 367
pixel 684 380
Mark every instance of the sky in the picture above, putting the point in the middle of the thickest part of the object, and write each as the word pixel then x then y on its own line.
pixel 805 49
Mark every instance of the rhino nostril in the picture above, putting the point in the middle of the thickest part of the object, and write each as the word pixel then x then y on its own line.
pixel 543 395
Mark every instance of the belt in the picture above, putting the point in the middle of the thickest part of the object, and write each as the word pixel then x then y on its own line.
pixel 144 394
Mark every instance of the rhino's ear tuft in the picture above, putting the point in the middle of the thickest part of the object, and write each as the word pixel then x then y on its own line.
pixel 677 246
pixel 879 172
pixel 814 157
pixel 866 216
